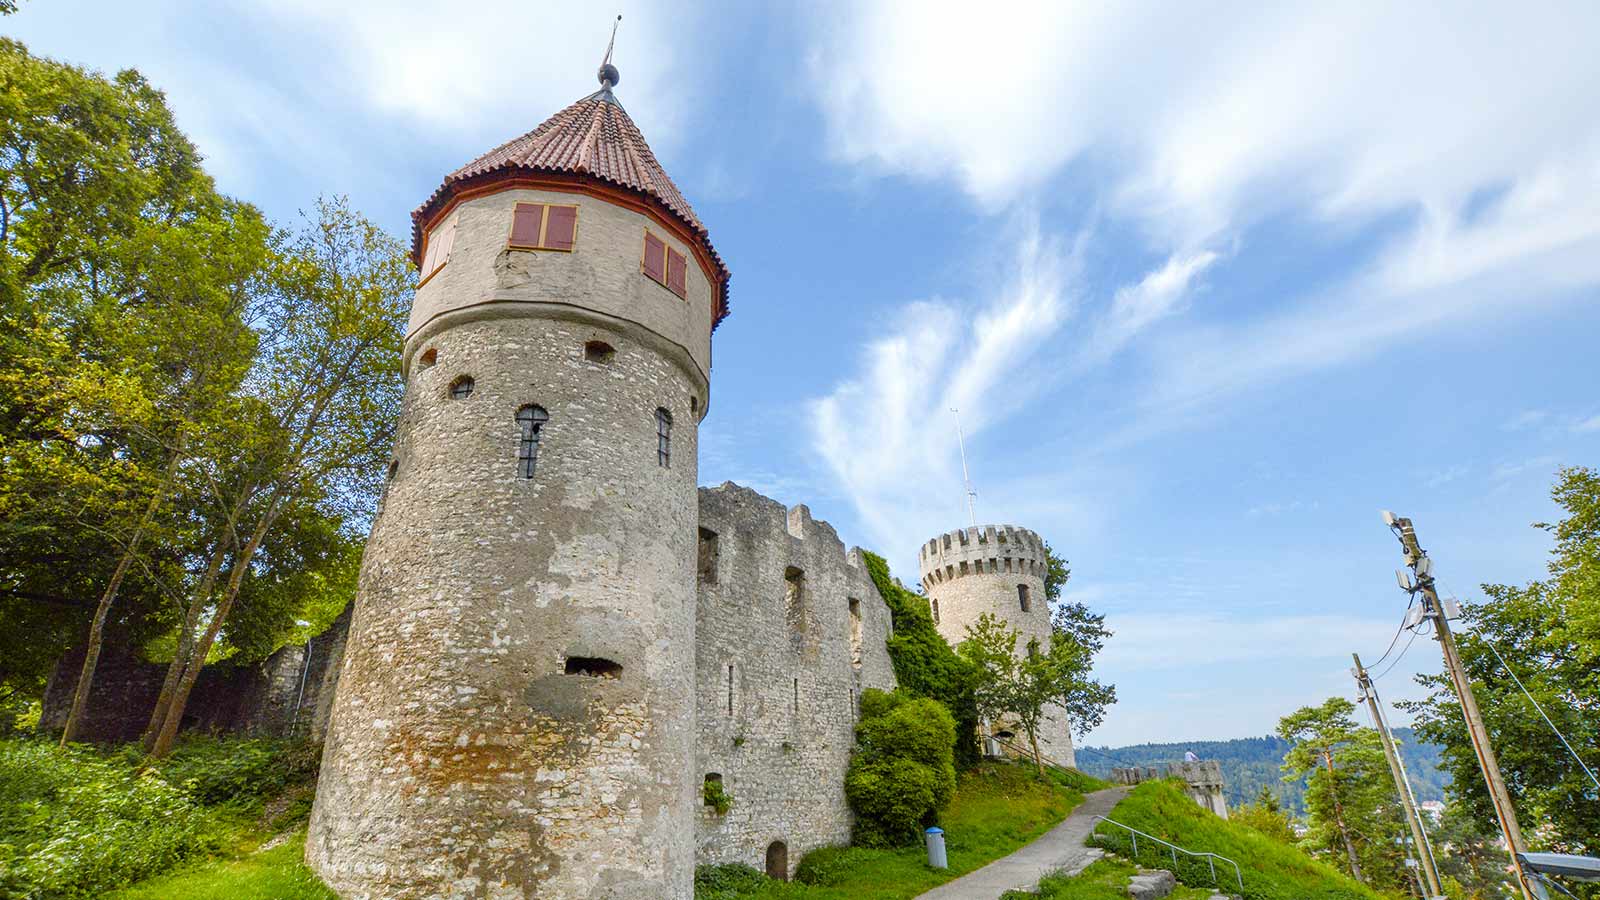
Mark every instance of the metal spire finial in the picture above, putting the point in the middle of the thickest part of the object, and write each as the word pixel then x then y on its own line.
pixel 608 74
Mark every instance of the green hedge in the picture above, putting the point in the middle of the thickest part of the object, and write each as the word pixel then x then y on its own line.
pixel 924 663
pixel 903 770
pixel 1272 871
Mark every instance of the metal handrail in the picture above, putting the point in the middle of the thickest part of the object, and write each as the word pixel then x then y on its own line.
pixel 1211 857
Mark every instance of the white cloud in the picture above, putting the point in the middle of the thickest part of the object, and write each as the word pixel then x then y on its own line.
pixel 888 433
pixel 1586 426
pixel 1442 477
pixel 1528 418
pixel 1158 295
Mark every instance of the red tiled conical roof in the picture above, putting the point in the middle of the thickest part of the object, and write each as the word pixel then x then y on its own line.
pixel 591 139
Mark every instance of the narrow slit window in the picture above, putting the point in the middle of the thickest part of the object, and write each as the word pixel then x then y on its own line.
pixel 530 423
pixel 794 595
pixel 461 388
pixel 730 689
pixel 797 696
pixel 1022 596
pixel 855 632
pixel 708 561
pixel 935 605
pixel 663 438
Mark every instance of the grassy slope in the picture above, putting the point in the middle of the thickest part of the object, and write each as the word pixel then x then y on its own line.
pixel 1107 879
pixel 276 874
pixel 996 809
pixel 1272 871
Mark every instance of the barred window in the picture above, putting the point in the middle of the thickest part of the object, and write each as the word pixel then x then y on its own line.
pixel 530 422
pixel 461 388
pixel 663 438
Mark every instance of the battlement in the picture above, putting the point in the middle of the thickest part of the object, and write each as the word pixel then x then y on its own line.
pixel 990 549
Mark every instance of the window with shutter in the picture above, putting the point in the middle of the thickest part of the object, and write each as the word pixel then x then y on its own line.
pixel 437 251
pixel 543 226
pixel 655 258
pixel 526 222
pixel 561 228
pixel 677 273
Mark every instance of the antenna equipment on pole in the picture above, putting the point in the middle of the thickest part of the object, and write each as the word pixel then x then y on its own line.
pixel 961 441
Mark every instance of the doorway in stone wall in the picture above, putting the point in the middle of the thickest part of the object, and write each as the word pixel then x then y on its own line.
pixel 778 861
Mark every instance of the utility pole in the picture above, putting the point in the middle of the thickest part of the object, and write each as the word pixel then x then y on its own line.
pixel 961 441
pixel 1424 853
pixel 1417 559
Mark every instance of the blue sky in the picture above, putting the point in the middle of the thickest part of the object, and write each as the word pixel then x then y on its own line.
pixel 1211 288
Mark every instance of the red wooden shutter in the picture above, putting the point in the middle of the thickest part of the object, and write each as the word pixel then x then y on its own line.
pixel 677 273
pixel 429 253
pixel 447 240
pixel 562 227
pixel 655 262
pixel 525 224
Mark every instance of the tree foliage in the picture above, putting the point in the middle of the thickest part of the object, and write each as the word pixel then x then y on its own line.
pixel 1354 815
pixel 903 769
pixel 924 664
pixel 1548 631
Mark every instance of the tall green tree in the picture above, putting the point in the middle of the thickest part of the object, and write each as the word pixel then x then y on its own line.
pixel 1548 632
pixel 1018 679
pixel 1352 812
pixel 321 399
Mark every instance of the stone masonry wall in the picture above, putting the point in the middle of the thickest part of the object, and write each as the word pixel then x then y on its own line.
pixel 1203 781
pixel 790 630
pixel 972 571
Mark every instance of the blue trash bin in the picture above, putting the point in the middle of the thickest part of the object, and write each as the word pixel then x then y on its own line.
pixel 935 838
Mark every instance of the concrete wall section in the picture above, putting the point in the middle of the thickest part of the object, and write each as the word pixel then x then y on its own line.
pixel 790 629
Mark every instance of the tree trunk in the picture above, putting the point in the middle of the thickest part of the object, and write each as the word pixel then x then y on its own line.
pixel 91 653
pixel 1338 818
pixel 1038 761
pixel 181 659
pixel 180 696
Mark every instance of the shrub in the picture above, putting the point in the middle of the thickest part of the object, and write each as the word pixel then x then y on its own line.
pixel 828 866
pixel 228 770
pixel 903 770
pixel 75 824
pixel 924 663
pixel 716 796
pixel 726 882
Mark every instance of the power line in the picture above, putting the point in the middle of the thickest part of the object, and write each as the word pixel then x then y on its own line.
pixel 1563 738
pixel 1396 638
pixel 1414 633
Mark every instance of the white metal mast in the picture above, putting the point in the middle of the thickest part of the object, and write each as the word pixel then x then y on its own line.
pixel 966 479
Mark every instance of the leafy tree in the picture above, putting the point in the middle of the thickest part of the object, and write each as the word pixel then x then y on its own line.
pixel 1548 631
pixel 1467 854
pixel 320 399
pixel 1018 681
pixel 903 769
pixel 1057 573
pixel 1349 793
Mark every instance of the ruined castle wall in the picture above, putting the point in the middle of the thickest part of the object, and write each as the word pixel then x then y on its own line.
pixel 972 571
pixel 790 630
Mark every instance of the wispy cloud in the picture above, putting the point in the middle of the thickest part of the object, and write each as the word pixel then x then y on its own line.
pixel 1528 418
pixel 1442 477
pixel 1152 640
pixel 1278 509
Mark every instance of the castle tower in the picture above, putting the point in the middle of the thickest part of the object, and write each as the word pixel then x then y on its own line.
pixel 998 570
pixel 515 711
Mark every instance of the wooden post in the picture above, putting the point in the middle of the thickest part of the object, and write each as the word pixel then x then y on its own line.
pixel 1424 858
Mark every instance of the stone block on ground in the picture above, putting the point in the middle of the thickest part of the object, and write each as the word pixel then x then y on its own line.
pixel 1151 884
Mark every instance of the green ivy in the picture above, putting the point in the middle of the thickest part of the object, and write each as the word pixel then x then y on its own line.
pixel 924 663
pixel 716 796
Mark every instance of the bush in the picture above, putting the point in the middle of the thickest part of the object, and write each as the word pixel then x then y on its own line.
pixel 903 770
pixel 924 663
pixel 828 866
pixel 726 882
pixel 716 796
pixel 229 770
pixel 75 824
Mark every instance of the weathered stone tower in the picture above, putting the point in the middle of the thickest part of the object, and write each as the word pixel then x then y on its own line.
pixel 515 712
pixel 998 570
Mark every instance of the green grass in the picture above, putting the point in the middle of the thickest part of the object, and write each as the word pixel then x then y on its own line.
pixel 1272 871
pixel 1106 879
pixel 997 808
pixel 276 874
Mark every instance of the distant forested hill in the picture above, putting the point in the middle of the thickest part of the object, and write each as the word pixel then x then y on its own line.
pixel 1249 763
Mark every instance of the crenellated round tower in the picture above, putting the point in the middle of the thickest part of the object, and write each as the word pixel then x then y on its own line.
pixel 1000 570
pixel 515 711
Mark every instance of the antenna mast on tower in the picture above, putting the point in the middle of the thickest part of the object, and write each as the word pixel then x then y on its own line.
pixel 966 479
